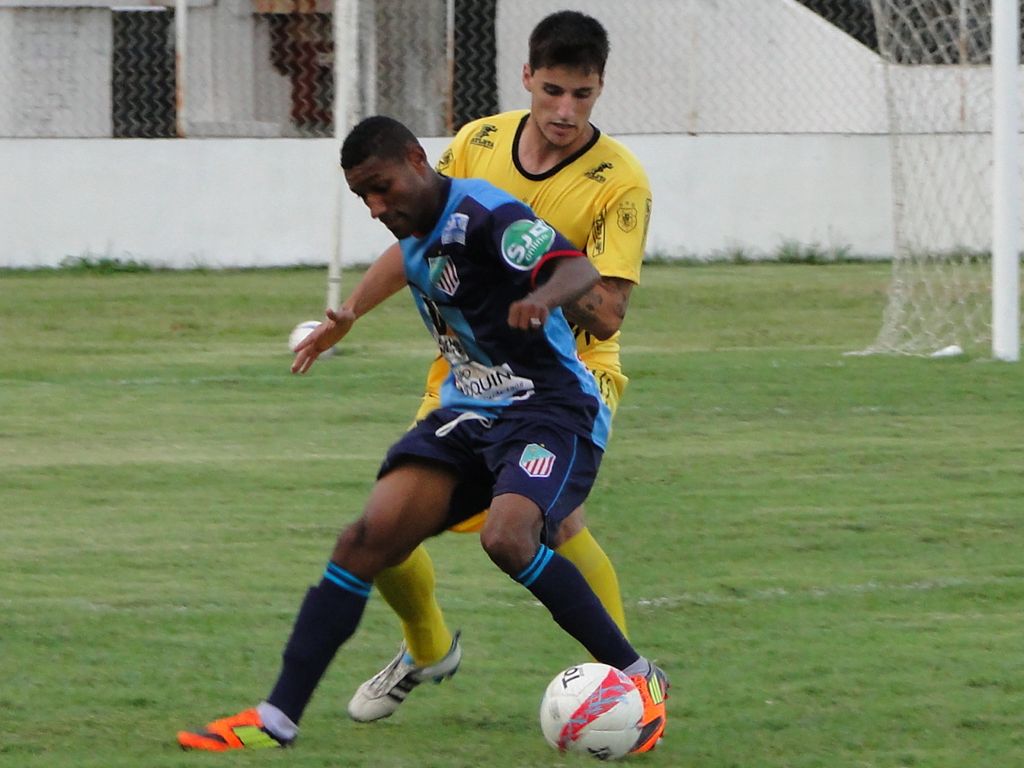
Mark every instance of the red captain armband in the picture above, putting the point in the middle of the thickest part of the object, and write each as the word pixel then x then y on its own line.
pixel 547 258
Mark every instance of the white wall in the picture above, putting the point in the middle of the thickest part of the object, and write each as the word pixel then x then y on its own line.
pixel 166 202
pixel 266 202
pixel 754 193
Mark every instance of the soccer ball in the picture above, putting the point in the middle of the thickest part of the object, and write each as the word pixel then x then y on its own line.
pixel 301 331
pixel 593 709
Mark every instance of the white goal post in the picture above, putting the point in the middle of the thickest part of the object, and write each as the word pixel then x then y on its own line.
pixel 346 69
pixel 1006 181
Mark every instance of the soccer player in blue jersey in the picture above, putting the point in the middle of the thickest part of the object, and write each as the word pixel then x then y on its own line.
pixel 520 429
pixel 594 191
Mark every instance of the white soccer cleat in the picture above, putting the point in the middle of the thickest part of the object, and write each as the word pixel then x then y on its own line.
pixel 383 693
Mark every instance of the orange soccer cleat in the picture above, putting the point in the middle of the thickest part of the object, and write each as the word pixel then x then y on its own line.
pixel 242 731
pixel 653 689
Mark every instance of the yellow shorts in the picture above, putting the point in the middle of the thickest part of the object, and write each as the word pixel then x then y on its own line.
pixel 611 383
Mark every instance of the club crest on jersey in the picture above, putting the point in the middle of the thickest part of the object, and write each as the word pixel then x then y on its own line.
pixel 443 274
pixel 627 217
pixel 537 461
pixel 455 229
pixel 525 241
pixel 444 162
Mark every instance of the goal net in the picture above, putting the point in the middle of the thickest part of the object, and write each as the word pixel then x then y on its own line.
pixel 937 58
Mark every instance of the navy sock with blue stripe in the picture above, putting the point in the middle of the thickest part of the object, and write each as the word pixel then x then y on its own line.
pixel 557 583
pixel 329 615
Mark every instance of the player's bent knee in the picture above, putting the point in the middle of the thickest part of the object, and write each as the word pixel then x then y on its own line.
pixel 510 553
pixel 511 533
pixel 364 551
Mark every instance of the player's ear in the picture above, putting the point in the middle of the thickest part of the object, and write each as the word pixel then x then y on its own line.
pixel 416 155
pixel 527 76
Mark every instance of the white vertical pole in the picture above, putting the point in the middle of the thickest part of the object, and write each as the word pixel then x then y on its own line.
pixel 346 76
pixel 449 54
pixel 1006 178
pixel 180 66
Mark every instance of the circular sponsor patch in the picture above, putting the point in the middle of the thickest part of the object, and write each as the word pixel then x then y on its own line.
pixel 525 241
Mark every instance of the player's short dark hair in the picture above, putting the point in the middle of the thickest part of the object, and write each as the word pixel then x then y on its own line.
pixel 377 136
pixel 570 39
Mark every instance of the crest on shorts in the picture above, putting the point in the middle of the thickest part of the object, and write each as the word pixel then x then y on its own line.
pixel 537 461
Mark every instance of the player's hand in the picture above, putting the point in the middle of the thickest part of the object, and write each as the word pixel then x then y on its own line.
pixel 322 338
pixel 527 314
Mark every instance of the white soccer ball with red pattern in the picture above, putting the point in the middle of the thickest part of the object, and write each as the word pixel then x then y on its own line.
pixel 593 709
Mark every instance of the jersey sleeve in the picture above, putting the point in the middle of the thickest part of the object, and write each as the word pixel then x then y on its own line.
pixel 619 233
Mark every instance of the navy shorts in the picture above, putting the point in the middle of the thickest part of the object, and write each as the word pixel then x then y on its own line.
pixel 552 466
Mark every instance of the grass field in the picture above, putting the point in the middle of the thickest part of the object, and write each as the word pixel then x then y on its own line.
pixel 825 552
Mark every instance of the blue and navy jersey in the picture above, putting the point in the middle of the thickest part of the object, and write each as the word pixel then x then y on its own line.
pixel 487 251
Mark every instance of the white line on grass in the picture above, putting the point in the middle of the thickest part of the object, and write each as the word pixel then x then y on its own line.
pixel 668 601
pixel 811 592
pixel 782 593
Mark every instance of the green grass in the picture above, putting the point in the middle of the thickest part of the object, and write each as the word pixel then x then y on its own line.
pixel 823 551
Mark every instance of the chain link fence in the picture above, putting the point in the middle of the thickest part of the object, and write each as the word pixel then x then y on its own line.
pixel 266 68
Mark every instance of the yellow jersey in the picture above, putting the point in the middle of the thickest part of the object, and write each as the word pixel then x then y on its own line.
pixel 599 198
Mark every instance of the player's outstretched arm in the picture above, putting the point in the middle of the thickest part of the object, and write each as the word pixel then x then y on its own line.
pixel 569 279
pixel 384 278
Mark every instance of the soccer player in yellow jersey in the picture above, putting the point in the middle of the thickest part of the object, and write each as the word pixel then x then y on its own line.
pixel 592 190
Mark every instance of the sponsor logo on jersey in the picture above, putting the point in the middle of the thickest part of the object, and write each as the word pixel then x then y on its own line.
pixel 455 229
pixel 481 140
pixel 452 350
pixel 597 172
pixel 443 274
pixel 434 313
pixel 626 217
pixel 525 241
pixel 597 236
pixel 537 461
pixel 488 382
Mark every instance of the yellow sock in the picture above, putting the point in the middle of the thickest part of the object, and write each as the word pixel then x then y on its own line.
pixel 586 554
pixel 409 589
